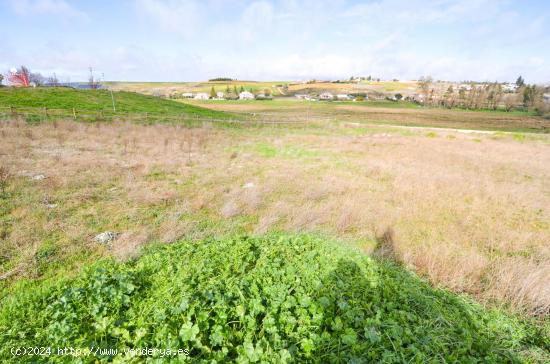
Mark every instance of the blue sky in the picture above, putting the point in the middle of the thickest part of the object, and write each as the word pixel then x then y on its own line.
pixel 179 40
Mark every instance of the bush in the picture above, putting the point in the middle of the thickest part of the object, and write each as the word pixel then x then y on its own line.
pixel 276 299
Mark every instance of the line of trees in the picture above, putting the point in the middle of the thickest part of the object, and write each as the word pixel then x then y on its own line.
pixel 23 77
pixel 490 96
pixel 219 79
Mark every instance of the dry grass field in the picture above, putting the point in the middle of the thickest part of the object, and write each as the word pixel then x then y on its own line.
pixel 468 211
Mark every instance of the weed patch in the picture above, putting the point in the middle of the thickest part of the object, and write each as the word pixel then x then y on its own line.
pixel 277 298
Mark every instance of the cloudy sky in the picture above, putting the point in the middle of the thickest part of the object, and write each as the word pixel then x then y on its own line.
pixel 180 40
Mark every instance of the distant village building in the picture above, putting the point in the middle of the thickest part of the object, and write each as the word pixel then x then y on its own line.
pixel 201 96
pixel 219 95
pixel 245 95
pixel 187 95
pixel 510 87
pixel 343 97
pixel 418 98
pixel 301 96
pixel 326 96
pixel 546 97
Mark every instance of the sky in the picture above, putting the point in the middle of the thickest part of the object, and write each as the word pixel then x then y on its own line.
pixel 180 40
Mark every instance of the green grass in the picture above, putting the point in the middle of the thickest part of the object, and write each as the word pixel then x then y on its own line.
pixel 276 298
pixel 268 150
pixel 99 100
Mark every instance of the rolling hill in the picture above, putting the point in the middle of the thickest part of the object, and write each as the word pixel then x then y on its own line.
pixel 99 100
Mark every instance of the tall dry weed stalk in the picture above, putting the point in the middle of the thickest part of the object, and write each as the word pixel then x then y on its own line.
pixel 5 177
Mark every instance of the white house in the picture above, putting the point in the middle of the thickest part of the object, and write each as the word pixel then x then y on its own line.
pixel 201 96
pixel 326 96
pixel 187 95
pixel 510 87
pixel 301 96
pixel 219 95
pixel 546 97
pixel 245 95
pixel 343 97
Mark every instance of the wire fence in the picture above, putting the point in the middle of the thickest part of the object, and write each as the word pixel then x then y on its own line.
pixel 41 114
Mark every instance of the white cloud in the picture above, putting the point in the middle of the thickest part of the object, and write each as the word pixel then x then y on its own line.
pixel 178 16
pixel 45 7
pixel 291 39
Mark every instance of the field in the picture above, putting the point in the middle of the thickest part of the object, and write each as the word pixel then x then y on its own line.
pixel 379 113
pixel 167 88
pixel 276 87
pixel 348 235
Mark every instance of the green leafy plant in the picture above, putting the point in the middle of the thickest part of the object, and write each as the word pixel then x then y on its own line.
pixel 279 298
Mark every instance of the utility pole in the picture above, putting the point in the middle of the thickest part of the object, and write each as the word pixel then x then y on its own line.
pixel 112 95
pixel 113 100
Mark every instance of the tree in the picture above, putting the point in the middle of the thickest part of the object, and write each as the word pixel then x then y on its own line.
pixel 531 94
pixel 424 84
pixel 213 93
pixel 398 97
pixel 448 97
pixel 1 78
pixel 267 92
pixel 92 82
pixel 520 82
pixel 37 78
pixel 241 89
pixel 235 90
pixel 510 101
pixel 52 80
pixel 227 89
pixel 20 77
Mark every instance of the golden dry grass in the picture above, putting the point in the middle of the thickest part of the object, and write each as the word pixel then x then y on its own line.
pixel 468 211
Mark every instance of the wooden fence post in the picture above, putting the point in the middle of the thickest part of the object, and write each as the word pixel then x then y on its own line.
pixel 74 113
pixel 45 112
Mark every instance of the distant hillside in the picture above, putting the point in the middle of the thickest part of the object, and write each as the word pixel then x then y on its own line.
pixel 97 100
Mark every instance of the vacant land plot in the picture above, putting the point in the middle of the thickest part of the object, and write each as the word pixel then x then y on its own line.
pixel 468 211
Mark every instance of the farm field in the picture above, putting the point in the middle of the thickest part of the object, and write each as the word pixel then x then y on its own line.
pixel 380 112
pixel 166 88
pixel 385 241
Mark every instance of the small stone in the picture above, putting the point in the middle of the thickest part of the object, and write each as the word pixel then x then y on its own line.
pixel 51 205
pixel 38 177
pixel 105 237
pixel 248 185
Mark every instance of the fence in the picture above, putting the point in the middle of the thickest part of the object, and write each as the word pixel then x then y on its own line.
pixel 39 114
